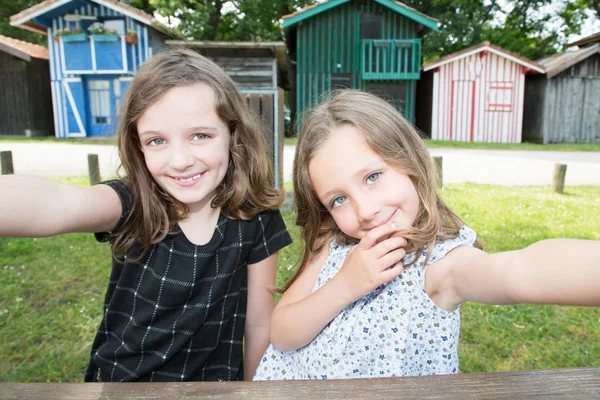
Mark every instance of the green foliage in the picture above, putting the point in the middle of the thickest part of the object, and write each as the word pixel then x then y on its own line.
pixel 52 290
pixel 530 28
pixel 257 20
pixel 12 7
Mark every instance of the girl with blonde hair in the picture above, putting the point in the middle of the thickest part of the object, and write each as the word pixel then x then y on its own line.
pixel 386 263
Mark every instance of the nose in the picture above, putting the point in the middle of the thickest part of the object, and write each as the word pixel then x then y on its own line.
pixel 366 208
pixel 181 157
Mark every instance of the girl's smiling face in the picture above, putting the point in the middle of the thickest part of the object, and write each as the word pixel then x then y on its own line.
pixel 185 144
pixel 358 188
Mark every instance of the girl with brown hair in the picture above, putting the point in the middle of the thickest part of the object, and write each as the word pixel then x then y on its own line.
pixel 386 263
pixel 194 228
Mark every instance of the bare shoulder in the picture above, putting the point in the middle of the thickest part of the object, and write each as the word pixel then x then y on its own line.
pixel 442 276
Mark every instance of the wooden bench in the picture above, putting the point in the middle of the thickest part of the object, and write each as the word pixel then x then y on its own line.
pixel 579 383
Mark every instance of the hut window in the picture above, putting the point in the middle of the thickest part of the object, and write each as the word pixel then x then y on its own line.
pixel 393 92
pixel 99 101
pixel 341 81
pixel 499 96
pixel 117 24
pixel 370 25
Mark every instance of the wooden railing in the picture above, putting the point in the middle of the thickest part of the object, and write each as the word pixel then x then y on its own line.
pixel 383 59
pixel 581 383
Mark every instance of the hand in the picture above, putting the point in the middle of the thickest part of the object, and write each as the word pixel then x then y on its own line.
pixel 374 261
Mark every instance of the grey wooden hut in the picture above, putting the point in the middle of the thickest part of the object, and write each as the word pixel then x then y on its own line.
pixel 563 106
pixel 25 98
pixel 260 71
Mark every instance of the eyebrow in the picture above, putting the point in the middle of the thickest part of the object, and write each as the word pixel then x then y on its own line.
pixel 193 129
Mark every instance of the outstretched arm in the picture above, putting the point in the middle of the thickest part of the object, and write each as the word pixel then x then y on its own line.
pixel 553 271
pixel 35 207
pixel 301 315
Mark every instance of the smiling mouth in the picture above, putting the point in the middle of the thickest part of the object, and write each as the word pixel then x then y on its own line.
pixel 191 178
pixel 388 219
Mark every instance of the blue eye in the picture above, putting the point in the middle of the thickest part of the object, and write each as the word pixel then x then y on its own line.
pixel 155 142
pixel 338 201
pixel 199 136
pixel 373 177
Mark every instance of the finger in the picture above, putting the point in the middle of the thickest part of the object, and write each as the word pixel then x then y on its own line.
pixel 384 247
pixel 375 235
pixel 389 259
pixel 391 273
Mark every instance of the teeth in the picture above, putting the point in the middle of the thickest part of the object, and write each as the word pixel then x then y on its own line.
pixel 189 179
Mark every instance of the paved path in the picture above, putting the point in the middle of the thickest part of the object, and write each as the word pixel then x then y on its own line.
pixel 502 167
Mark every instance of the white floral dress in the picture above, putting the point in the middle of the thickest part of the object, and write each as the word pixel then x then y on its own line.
pixel 396 330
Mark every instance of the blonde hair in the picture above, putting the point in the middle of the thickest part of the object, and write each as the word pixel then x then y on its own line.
pixel 391 137
pixel 247 188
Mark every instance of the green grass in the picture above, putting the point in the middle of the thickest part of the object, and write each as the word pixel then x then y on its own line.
pixel 52 290
pixel 514 146
pixel 497 146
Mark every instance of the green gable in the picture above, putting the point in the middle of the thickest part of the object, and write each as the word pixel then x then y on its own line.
pixel 396 6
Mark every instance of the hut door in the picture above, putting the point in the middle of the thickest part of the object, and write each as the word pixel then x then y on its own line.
pixel 101 102
pixel 75 107
pixel 462 117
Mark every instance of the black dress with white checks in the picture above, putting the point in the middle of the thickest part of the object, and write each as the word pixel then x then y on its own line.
pixel 179 314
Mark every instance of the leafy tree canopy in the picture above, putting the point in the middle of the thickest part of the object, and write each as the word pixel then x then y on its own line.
pixel 12 7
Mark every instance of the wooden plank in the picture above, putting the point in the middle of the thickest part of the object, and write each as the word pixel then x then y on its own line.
pixel 6 163
pixel 266 118
pixel 280 137
pixel 580 384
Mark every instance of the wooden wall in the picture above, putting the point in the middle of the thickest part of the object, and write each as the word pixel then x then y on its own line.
pixel 327 52
pixel 566 107
pixel 25 99
pixel 478 98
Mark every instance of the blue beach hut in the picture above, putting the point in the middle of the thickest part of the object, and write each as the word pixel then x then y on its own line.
pixel 95 48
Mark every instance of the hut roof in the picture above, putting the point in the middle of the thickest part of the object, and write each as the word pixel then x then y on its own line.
pixel 277 49
pixel 484 46
pixel 586 40
pixel 401 8
pixel 27 18
pixel 557 63
pixel 21 49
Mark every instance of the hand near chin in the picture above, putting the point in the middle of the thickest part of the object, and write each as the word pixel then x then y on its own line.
pixel 374 261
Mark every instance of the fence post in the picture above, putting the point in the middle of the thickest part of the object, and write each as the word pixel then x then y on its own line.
pixel 6 163
pixel 437 160
pixel 93 169
pixel 558 181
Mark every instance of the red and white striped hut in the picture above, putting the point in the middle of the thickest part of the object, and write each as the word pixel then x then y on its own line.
pixel 477 95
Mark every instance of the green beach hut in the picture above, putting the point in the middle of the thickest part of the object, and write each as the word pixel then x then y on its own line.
pixel 372 45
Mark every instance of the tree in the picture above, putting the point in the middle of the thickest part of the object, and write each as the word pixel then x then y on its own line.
pixel 538 28
pixel 462 24
pixel 12 7
pixel 239 20
pixel 530 28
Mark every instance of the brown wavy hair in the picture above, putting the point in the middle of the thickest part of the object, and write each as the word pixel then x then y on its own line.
pixel 397 142
pixel 247 188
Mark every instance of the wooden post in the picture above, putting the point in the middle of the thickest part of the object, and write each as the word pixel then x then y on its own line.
pixel 558 181
pixel 437 160
pixel 93 169
pixel 6 163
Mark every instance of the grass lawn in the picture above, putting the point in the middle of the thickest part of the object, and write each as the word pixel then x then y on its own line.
pixel 498 146
pixel 52 290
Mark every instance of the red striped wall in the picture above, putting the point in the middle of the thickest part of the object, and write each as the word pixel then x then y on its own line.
pixel 478 98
